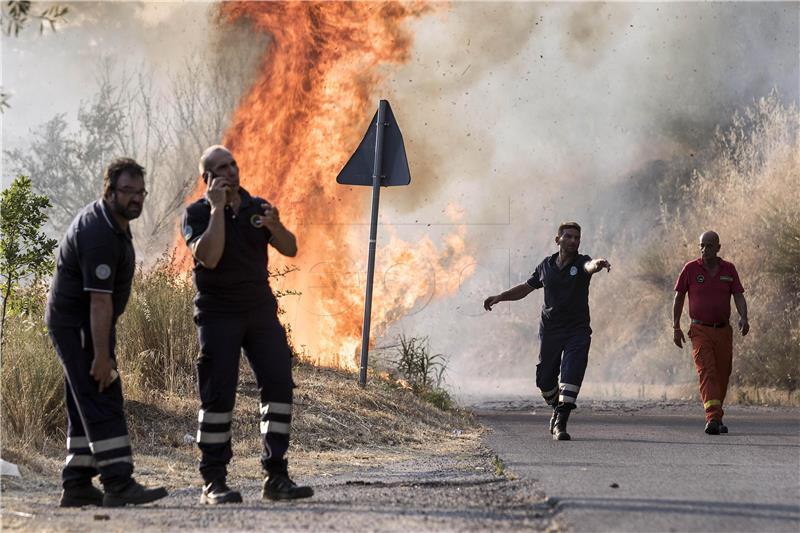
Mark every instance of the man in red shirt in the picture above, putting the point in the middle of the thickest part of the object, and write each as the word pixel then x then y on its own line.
pixel 710 282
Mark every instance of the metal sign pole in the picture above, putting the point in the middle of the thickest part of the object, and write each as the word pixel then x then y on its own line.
pixel 373 234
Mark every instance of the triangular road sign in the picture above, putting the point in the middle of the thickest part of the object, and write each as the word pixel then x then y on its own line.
pixel 394 164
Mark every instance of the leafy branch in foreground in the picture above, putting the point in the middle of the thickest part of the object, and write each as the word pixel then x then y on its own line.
pixel 16 13
pixel 24 251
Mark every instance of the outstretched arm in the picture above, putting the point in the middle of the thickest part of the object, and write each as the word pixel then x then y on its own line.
pixel 514 293
pixel 596 265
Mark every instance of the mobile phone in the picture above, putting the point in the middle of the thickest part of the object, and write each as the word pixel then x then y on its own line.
pixel 208 176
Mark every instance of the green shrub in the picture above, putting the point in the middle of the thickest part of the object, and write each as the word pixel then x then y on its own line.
pixel 423 370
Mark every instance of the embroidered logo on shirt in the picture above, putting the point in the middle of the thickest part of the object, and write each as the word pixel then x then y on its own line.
pixel 726 278
pixel 102 271
pixel 255 220
pixel 573 271
pixel 700 278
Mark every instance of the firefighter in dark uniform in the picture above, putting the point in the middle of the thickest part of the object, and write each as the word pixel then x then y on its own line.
pixel 564 330
pixel 228 232
pixel 89 292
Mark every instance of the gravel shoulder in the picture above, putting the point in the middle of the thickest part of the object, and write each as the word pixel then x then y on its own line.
pixel 379 459
pixel 454 485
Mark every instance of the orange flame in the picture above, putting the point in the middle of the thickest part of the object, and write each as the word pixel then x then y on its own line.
pixel 292 134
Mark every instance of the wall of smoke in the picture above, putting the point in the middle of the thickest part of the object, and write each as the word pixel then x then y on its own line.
pixel 527 114
pixel 516 116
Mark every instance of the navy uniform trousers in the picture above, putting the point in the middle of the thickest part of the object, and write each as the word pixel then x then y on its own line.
pixel 222 338
pixel 97 433
pixel 563 356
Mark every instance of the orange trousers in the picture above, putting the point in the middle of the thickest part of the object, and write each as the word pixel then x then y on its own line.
pixel 712 349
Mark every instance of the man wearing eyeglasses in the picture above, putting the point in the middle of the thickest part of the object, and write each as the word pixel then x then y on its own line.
pixel 228 232
pixel 90 289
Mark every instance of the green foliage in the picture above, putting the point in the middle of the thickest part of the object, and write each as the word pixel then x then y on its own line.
pixel 417 365
pixel 437 397
pixel 17 13
pixel 25 252
pixel 499 466
pixel 423 370
pixel 14 16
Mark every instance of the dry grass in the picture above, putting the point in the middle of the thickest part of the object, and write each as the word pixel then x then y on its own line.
pixel 332 414
pixel 32 385
pixel 156 350
pixel 156 337
pixel 748 190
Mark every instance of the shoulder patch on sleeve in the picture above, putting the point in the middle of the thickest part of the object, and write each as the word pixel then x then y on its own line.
pixel 102 272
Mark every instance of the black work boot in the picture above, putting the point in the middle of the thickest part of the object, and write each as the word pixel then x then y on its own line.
pixel 81 495
pixel 132 494
pixel 713 427
pixel 553 422
pixel 278 485
pixel 722 427
pixel 218 492
pixel 560 430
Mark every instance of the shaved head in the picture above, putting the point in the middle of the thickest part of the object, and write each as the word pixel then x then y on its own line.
pixel 709 246
pixel 211 150
pixel 709 237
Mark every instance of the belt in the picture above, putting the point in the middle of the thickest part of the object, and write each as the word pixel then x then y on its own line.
pixel 710 324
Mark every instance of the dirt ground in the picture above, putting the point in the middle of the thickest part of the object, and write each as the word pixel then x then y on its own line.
pixel 379 459
pixel 454 484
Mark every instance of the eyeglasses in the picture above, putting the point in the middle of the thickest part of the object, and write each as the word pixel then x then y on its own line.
pixel 131 192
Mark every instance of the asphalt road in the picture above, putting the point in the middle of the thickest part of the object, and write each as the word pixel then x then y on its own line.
pixel 651 467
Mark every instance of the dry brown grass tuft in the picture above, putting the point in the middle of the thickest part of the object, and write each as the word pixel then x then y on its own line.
pixel 32 385
pixel 156 337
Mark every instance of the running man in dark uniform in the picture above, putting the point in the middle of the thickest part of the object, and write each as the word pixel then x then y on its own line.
pixel 564 329
pixel 94 271
pixel 228 232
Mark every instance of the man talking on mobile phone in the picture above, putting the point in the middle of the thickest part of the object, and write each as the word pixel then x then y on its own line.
pixel 228 232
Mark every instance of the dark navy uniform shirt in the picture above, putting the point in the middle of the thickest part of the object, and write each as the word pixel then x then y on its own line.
pixel 239 281
pixel 566 293
pixel 94 256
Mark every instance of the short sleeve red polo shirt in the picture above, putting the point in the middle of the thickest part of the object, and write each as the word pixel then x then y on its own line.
pixel 709 298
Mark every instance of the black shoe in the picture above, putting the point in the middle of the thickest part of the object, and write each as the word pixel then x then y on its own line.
pixel 133 494
pixel 713 427
pixel 80 496
pixel 218 492
pixel 279 487
pixel 553 422
pixel 560 429
pixel 722 427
